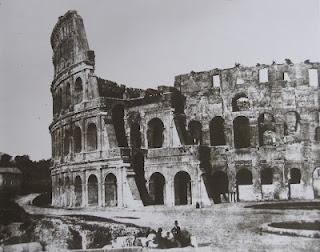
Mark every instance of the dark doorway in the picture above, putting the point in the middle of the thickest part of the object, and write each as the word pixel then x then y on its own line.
pixel 155 133
pixel 195 130
pixel 78 191
pixel 92 141
pixel 110 185
pixel 241 130
pixel 182 188
pixel 156 188
pixel 217 136
pixel 93 190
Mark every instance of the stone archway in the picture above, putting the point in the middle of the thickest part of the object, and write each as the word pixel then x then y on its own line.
pixel 182 188
pixel 156 188
pixel 78 191
pixel 244 185
pixel 241 130
pixel 316 182
pixel 220 186
pixel 155 133
pixel 92 190
pixel 110 189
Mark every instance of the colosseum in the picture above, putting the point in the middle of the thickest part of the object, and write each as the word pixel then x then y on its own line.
pixel 223 135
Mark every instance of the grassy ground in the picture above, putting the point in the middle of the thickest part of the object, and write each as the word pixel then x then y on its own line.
pixel 226 227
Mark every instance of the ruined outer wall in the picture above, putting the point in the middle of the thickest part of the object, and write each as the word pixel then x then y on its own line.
pixel 286 89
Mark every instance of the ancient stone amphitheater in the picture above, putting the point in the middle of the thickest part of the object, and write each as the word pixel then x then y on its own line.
pixel 223 135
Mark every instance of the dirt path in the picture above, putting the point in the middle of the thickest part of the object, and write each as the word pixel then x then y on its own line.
pixel 225 226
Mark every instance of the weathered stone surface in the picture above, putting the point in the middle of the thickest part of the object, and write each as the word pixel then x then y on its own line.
pixel 243 133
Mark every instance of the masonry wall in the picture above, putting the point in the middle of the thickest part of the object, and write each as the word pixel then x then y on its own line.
pixel 223 135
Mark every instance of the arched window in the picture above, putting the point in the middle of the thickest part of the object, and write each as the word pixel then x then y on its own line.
pixel 156 188
pixel 77 139
pixel 317 134
pixel 266 123
pixel 78 191
pixel 195 130
pixel 135 135
pixel 217 136
pixel 67 142
pixel 267 176
pixel 92 142
pixel 111 190
pixel 78 90
pixel 118 123
pixel 182 188
pixel 244 177
pixel 92 190
pixel 240 102
pixel 155 133
pixel 295 176
pixel 241 130
pixel 292 122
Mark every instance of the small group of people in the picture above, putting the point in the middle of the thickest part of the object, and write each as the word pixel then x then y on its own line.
pixel 168 239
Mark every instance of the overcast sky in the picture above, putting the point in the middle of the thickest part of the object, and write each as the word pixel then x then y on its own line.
pixel 141 43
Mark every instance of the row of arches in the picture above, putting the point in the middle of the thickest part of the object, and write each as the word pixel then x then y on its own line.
pixel 241 129
pixel 64 96
pixel 182 188
pixel 74 196
pixel 72 140
pixel 218 186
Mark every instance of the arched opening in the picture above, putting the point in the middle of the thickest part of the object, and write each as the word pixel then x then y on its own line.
pixel 266 123
pixel 295 176
pixel 92 190
pixel 292 123
pixel 92 143
pixel 67 192
pixel 118 123
pixel 295 186
pixel 316 182
pixel 244 185
pixel 217 136
pixel 156 188
pixel 195 130
pixel 267 176
pixel 240 102
pixel 135 135
pixel 67 142
pixel 241 130
pixel 155 133
pixel 77 139
pixel 317 134
pixel 110 185
pixel 220 186
pixel 78 89
pixel 78 191
pixel 182 188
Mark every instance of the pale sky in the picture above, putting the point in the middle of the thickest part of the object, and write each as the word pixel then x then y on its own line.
pixel 140 43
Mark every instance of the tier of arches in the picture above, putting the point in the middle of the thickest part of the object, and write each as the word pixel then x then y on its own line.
pixel 86 193
pixel 66 95
pixel 72 140
pixel 217 131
